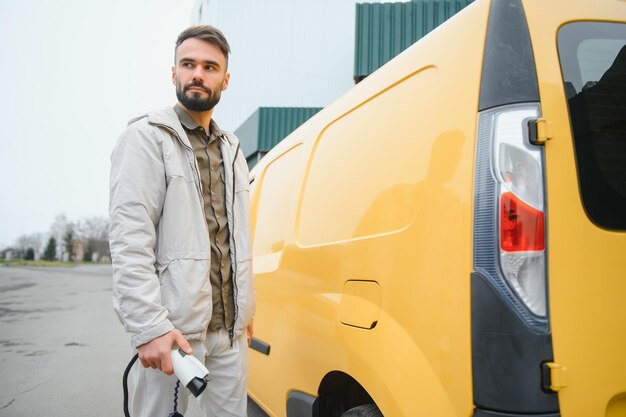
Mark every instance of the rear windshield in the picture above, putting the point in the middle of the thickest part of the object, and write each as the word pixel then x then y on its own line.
pixel 593 63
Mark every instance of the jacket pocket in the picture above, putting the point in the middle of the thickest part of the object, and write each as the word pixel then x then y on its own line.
pixel 177 161
pixel 186 293
pixel 181 232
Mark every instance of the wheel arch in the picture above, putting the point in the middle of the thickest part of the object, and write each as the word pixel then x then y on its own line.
pixel 339 392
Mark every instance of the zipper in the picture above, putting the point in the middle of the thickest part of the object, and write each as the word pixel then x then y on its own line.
pixel 220 278
pixel 234 268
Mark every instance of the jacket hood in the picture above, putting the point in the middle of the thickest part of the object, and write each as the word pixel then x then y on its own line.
pixel 167 117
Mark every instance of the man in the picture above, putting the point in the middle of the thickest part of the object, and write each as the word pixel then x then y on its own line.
pixel 180 240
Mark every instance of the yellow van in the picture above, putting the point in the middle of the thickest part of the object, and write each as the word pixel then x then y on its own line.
pixel 449 237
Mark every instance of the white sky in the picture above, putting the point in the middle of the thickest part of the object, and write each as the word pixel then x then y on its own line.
pixel 74 72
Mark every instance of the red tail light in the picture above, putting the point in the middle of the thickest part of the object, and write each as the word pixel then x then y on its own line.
pixel 521 226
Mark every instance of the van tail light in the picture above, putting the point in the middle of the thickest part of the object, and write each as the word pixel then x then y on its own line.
pixel 521 226
pixel 510 211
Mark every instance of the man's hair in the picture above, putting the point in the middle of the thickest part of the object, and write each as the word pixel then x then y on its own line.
pixel 206 33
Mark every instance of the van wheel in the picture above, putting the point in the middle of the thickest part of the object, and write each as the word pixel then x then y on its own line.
pixel 369 410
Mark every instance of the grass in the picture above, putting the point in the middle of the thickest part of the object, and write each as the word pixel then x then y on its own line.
pixel 22 262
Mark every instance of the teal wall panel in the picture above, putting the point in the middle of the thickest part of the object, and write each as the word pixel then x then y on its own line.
pixel 383 30
pixel 269 125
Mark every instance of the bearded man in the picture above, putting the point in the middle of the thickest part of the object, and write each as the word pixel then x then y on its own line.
pixel 180 239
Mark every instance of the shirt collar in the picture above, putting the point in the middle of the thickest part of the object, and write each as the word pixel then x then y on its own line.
pixel 188 123
pixel 185 119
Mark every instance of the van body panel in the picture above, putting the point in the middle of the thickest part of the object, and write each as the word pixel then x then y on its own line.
pixel 420 347
pixel 587 264
pixel 364 201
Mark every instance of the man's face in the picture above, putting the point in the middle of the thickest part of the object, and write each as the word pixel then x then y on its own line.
pixel 199 74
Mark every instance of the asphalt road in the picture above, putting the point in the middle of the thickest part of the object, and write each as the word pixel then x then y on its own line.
pixel 62 349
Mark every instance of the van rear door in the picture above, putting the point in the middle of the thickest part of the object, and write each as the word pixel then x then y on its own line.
pixel 582 83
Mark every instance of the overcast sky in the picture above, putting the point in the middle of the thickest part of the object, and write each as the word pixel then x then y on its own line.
pixel 73 73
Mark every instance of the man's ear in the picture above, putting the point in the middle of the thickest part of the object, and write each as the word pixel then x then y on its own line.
pixel 173 74
pixel 226 80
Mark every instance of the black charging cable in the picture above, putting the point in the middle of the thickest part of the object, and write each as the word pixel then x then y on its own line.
pixel 125 383
pixel 175 413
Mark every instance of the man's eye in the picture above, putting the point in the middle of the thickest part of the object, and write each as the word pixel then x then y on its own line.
pixel 209 68
pixel 187 65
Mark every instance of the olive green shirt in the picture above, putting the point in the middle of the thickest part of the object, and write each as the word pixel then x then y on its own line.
pixel 206 148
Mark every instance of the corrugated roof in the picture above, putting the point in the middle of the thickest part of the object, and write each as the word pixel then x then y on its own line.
pixel 383 30
pixel 269 125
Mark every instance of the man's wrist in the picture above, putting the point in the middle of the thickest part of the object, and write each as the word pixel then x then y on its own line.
pixel 149 335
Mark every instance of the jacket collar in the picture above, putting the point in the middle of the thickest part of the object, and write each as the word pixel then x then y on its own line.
pixel 167 117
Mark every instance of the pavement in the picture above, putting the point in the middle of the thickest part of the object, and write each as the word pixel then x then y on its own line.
pixel 62 349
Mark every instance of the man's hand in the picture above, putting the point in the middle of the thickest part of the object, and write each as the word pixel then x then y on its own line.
pixel 250 332
pixel 156 354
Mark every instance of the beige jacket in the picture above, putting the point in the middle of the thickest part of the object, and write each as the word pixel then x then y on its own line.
pixel 159 237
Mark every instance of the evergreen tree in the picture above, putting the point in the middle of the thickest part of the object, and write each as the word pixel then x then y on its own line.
pixel 88 254
pixel 30 254
pixel 50 253
pixel 68 243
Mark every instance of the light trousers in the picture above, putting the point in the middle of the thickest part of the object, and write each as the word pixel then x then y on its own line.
pixel 151 392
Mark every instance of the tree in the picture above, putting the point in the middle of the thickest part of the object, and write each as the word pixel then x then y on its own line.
pixel 60 226
pixel 30 254
pixel 59 229
pixel 93 228
pixel 88 253
pixel 50 253
pixel 24 242
pixel 94 234
pixel 68 244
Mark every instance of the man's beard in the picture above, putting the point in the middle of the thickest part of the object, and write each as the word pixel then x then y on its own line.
pixel 195 102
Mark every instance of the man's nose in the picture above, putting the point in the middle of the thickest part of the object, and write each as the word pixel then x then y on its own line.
pixel 198 73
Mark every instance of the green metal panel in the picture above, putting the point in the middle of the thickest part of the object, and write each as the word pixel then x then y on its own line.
pixel 269 125
pixel 248 134
pixel 383 30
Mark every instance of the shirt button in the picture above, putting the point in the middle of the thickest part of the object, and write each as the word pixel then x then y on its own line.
pixel 222 264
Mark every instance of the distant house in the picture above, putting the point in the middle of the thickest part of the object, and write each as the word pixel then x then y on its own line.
pixel 92 250
pixel 7 254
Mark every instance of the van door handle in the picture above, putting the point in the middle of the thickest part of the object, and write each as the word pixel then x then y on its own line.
pixel 539 131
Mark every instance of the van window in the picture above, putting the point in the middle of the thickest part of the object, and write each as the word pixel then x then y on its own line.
pixel 593 64
pixel 275 195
